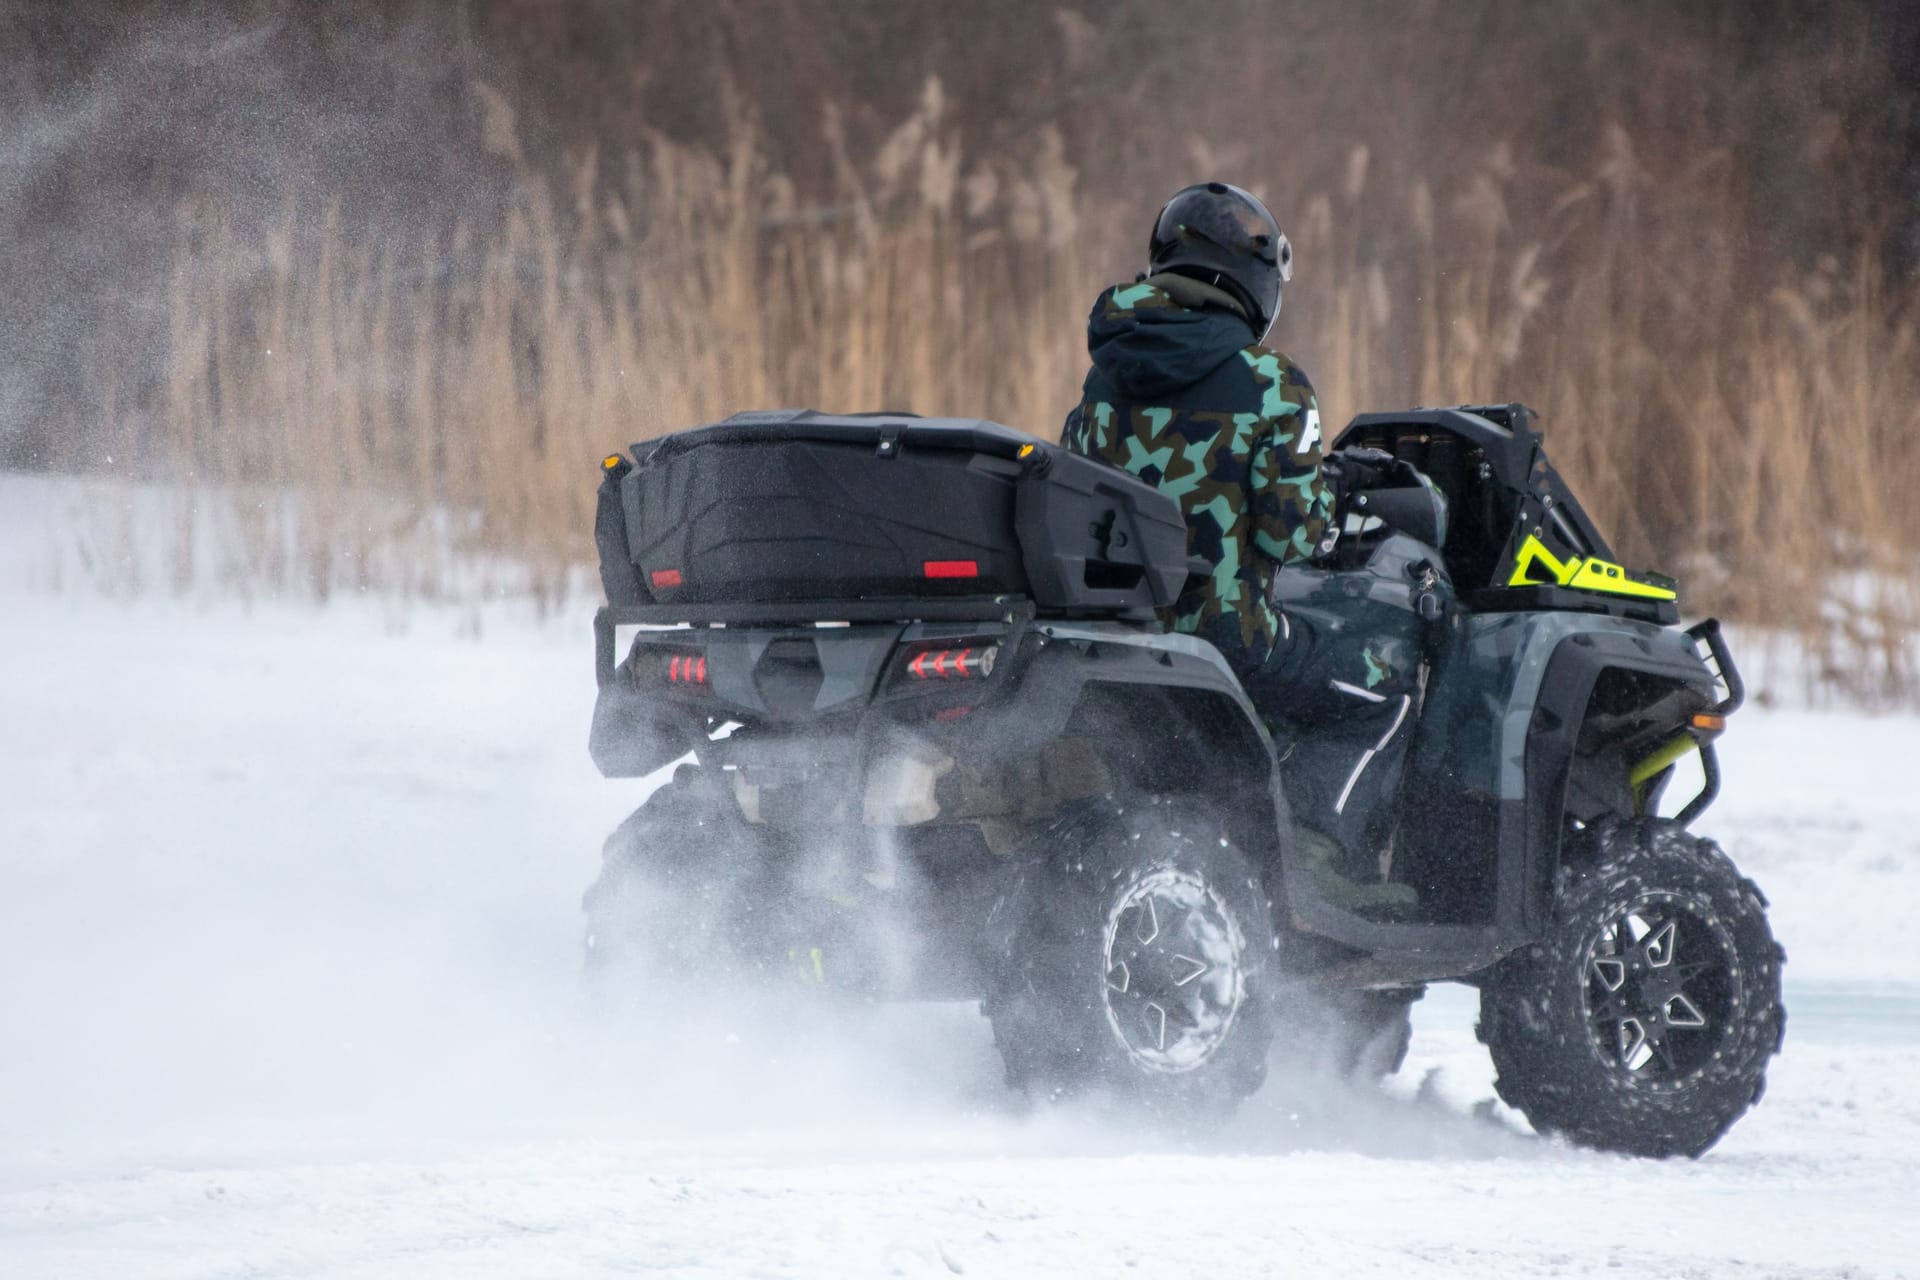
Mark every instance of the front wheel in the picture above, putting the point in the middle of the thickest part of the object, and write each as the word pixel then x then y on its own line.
pixel 1644 1021
pixel 1141 963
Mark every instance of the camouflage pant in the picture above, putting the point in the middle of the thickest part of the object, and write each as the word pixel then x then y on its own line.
pixel 1341 706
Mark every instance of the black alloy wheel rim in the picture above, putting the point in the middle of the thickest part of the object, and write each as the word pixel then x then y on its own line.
pixel 1662 982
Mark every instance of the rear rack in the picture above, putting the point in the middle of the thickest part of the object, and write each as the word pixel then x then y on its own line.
pixel 797 613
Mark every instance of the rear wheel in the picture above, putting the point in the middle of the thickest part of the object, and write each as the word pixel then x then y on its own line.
pixel 665 901
pixel 1141 963
pixel 1643 1022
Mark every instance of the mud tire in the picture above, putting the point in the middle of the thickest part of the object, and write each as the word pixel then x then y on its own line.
pixel 1140 964
pixel 1566 1019
pixel 666 899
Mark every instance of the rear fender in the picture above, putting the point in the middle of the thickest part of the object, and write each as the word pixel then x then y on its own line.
pixel 1169 717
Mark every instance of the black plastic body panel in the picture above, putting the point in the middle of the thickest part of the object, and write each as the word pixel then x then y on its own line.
pixel 619 575
pixel 1541 596
pixel 799 519
pixel 1091 541
pixel 796 507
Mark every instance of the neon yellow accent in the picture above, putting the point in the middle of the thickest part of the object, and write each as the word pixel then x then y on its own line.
pixel 1589 574
pixel 1599 575
pixel 1663 757
pixel 1666 754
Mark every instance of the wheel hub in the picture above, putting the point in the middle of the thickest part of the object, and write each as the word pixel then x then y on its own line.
pixel 1174 975
pixel 1660 990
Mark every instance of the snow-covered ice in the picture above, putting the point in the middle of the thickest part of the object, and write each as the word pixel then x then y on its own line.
pixel 288 945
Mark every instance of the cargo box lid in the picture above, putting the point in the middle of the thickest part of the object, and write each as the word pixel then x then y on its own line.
pixel 975 434
pixel 796 505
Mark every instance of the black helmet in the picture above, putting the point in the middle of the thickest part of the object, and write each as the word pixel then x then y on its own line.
pixel 1217 233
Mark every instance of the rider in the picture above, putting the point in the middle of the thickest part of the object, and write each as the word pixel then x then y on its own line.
pixel 1183 394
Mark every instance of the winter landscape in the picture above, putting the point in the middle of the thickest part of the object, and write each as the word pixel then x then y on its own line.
pixel 292 928
pixel 318 320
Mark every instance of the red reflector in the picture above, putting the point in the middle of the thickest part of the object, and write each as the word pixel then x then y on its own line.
pixel 666 577
pixel 685 668
pixel 945 569
pixel 953 664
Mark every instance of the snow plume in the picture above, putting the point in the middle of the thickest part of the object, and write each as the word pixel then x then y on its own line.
pixel 137 131
pixel 288 892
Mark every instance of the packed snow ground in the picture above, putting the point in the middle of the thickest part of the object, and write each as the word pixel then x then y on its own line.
pixel 288 946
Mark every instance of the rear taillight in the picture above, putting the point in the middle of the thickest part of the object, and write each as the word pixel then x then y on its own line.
pixel 951 568
pixel 687 668
pixel 954 664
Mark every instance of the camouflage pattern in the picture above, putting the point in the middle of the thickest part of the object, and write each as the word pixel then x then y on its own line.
pixel 1179 396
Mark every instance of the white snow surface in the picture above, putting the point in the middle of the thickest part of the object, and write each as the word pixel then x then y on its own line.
pixel 289 939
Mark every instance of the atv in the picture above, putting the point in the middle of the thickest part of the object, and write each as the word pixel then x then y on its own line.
pixel 930 740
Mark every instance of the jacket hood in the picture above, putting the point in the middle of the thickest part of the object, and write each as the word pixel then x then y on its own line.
pixel 1148 343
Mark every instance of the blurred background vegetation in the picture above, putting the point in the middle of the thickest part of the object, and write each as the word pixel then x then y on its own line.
pixel 380 281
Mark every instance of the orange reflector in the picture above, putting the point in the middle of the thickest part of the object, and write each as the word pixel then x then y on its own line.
pixel 666 577
pixel 1026 450
pixel 951 568
pixel 611 461
pixel 1709 721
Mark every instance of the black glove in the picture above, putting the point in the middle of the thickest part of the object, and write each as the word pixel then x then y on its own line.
pixel 1356 470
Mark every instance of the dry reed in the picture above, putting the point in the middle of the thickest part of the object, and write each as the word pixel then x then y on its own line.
pixel 432 408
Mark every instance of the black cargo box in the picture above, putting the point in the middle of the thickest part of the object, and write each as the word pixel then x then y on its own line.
pixel 798 506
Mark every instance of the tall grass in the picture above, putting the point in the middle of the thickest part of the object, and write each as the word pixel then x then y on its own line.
pixel 390 416
pixel 441 405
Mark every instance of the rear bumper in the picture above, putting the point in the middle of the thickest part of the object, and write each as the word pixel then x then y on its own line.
pixel 1013 610
pixel 793 678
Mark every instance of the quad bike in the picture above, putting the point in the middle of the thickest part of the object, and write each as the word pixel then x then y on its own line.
pixel 934 743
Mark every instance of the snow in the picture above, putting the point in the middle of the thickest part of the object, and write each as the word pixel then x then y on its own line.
pixel 288 946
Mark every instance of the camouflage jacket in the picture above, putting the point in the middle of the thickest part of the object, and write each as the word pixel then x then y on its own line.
pixel 1180 396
